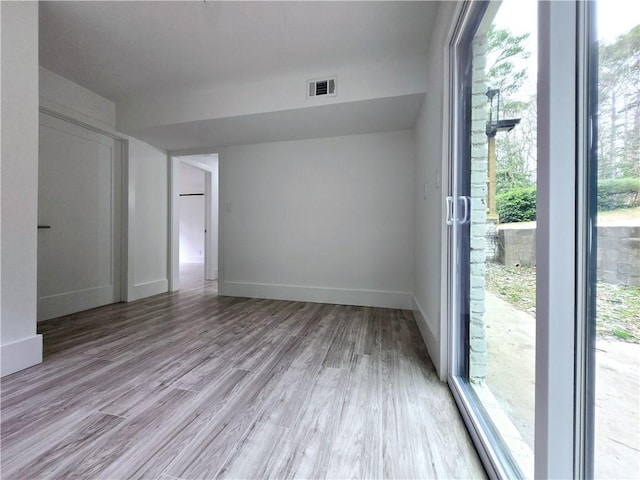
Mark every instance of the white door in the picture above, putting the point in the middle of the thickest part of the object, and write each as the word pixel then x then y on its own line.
pixel 78 218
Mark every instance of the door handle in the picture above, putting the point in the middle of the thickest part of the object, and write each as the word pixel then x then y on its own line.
pixel 449 218
pixel 467 210
pixel 44 227
pixel 452 210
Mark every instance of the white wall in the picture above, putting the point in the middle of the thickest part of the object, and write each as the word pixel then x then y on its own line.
pixel 429 195
pixel 191 215
pixel 400 76
pixel 20 346
pixel 147 178
pixel 22 92
pixel 326 220
pixel 148 220
pixel 72 100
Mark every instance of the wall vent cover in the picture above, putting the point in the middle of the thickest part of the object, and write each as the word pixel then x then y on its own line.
pixel 325 87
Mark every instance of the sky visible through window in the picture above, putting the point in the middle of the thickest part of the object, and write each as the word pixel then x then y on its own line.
pixel 521 16
pixel 610 21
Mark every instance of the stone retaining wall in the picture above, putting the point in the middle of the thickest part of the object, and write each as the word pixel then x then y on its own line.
pixel 516 245
pixel 619 255
pixel 618 251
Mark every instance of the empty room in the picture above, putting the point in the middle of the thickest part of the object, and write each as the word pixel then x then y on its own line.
pixel 319 240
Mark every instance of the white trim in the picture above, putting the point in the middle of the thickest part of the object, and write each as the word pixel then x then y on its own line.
pixel 148 289
pixel 508 431
pixel 432 341
pixel 119 191
pixel 208 256
pixel 493 458
pixel 173 257
pixel 126 245
pixel 21 354
pixel 337 296
pixel 77 301
pixel 221 217
pixel 196 164
pixel 555 241
pixel 130 197
pixel 446 316
pixel 173 250
pixel 464 16
pixel 73 116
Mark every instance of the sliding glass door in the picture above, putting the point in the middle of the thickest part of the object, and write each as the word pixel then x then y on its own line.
pixel 543 215
pixel 611 239
pixel 492 217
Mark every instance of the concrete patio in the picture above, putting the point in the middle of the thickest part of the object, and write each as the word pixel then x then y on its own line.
pixel 511 380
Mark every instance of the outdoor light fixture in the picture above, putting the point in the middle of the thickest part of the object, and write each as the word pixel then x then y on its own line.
pixel 498 125
pixel 493 127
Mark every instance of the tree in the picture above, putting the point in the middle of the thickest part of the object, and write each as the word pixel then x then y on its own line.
pixel 503 49
pixel 619 106
pixel 515 150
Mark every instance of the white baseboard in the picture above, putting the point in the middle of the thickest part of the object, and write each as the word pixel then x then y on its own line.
pixel 64 304
pixel 430 340
pixel 214 275
pixel 19 355
pixel 148 289
pixel 337 296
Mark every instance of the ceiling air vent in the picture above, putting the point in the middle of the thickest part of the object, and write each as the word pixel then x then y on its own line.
pixel 325 87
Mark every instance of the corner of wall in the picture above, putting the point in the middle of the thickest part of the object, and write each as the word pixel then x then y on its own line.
pixel 21 346
pixel 147 224
pixel 19 355
pixel 431 339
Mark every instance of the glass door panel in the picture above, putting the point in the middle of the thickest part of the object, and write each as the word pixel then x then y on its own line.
pixel 493 222
pixel 614 259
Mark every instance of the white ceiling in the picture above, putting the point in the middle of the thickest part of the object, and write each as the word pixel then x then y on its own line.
pixel 352 118
pixel 118 49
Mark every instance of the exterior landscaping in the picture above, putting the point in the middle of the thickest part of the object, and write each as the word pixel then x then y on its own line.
pixel 618 306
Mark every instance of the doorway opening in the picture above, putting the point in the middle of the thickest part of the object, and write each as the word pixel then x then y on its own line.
pixel 194 220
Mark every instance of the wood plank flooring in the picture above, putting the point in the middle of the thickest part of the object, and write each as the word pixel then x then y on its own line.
pixel 195 386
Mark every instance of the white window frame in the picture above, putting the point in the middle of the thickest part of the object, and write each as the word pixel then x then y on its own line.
pixel 561 248
pixel 556 289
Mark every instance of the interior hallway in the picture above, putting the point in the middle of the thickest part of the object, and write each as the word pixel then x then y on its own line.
pixel 191 385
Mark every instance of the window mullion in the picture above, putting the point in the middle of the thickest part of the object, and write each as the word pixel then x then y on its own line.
pixel 555 242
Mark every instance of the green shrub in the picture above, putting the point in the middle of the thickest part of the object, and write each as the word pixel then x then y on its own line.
pixel 517 205
pixel 615 193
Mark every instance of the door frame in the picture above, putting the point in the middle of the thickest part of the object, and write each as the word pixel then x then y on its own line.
pixel 558 363
pixel 469 17
pixel 120 214
pixel 211 272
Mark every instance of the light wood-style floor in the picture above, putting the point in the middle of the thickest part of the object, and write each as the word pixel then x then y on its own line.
pixel 195 386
